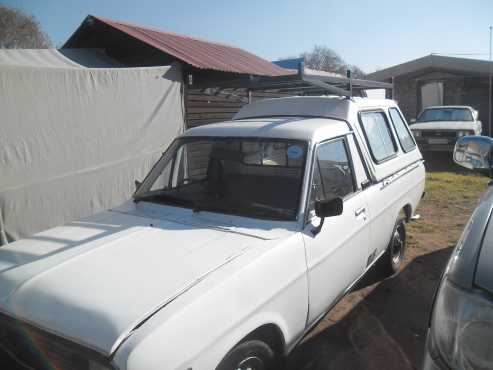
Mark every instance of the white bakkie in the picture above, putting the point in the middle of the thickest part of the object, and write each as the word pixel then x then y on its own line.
pixel 242 236
pixel 439 127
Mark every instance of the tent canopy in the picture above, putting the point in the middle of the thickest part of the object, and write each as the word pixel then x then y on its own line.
pixel 61 58
pixel 74 139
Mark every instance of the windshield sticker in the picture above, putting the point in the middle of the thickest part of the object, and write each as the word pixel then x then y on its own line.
pixel 294 151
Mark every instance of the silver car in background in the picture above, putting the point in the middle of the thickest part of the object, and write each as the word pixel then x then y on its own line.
pixel 460 334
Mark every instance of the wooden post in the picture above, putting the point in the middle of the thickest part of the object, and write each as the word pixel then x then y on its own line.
pixel 392 93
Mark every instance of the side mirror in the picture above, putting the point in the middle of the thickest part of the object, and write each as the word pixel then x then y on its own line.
pixel 474 153
pixel 327 208
pixel 137 184
pixel 412 120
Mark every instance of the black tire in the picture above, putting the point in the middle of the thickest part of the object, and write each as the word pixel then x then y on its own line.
pixel 251 354
pixel 394 255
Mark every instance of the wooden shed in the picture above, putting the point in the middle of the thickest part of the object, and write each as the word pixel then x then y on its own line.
pixel 204 63
pixel 219 79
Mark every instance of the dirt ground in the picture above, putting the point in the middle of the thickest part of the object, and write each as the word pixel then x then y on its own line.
pixel 383 325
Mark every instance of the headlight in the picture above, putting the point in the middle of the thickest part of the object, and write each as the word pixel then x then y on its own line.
pixel 464 133
pixel 416 133
pixel 462 328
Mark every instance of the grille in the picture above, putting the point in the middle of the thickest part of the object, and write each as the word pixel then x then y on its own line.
pixel 437 134
pixel 35 349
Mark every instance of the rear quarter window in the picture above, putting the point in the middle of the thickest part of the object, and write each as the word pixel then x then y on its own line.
pixel 405 138
pixel 378 135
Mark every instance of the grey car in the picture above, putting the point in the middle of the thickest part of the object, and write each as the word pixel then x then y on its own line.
pixel 460 334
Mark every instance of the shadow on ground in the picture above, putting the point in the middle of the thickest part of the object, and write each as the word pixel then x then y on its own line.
pixel 386 330
pixel 441 162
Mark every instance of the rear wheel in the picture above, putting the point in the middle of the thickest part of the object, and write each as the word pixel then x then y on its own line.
pixel 395 251
pixel 249 355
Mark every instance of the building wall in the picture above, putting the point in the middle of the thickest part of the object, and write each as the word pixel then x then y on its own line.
pixel 202 109
pixel 405 93
pixel 458 89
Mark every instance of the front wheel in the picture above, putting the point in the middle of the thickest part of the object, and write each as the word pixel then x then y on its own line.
pixel 394 255
pixel 249 355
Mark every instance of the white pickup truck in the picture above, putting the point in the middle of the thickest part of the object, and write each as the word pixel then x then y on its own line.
pixel 242 236
pixel 438 128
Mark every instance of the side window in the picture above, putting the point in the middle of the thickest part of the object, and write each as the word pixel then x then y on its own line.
pixel 332 175
pixel 360 171
pixel 403 134
pixel 162 182
pixel 378 135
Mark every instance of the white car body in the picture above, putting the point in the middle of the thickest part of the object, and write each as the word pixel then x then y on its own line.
pixel 152 286
pixel 442 135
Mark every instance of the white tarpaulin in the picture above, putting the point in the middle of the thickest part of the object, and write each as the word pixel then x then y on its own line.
pixel 73 140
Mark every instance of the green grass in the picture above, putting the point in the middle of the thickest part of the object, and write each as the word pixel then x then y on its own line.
pixel 450 186
pixel 450 199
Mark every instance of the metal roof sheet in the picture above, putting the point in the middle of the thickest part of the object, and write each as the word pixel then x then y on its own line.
pixel 200 53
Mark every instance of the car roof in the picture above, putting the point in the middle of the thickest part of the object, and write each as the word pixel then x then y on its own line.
pixel 294 128
pixel 312 106
pixel 312 118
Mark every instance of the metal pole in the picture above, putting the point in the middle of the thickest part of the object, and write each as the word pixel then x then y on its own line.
pixel 489 89
pixel 350 85
pixel 3 236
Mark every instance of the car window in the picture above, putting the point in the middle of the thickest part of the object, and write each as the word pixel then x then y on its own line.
pixel 252 177
pixel 360 172
pixel 332 174
pixel 378 135
pixel 445 114
pixel 405 138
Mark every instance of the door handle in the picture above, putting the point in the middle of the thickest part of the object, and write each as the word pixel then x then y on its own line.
pixel 359 212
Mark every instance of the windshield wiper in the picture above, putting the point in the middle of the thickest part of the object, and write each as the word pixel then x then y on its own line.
pixel 267 207
pixel 161 197
pixel 252 209
pixel 245 209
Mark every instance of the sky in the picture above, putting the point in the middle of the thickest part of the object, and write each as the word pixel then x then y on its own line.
pixel 370 34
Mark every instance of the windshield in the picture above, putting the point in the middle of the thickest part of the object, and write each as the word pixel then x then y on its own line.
pixel 445 114
pixel 251 177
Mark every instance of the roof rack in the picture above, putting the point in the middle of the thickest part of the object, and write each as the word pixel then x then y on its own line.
pixel 304 82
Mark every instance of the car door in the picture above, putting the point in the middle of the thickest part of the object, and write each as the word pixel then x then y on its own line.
pixel 337 255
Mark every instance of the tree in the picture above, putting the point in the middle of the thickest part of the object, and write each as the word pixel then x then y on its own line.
pixel 21 31
pixel 323 58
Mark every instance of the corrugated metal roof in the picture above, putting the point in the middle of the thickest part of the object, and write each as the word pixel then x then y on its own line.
pixel 200 53
pixel 291 63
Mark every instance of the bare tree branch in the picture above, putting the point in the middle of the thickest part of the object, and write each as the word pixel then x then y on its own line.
pixel 323 58
pixel 21 31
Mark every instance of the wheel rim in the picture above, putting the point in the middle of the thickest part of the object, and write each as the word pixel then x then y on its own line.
pixel 397 245
pixel 251 363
